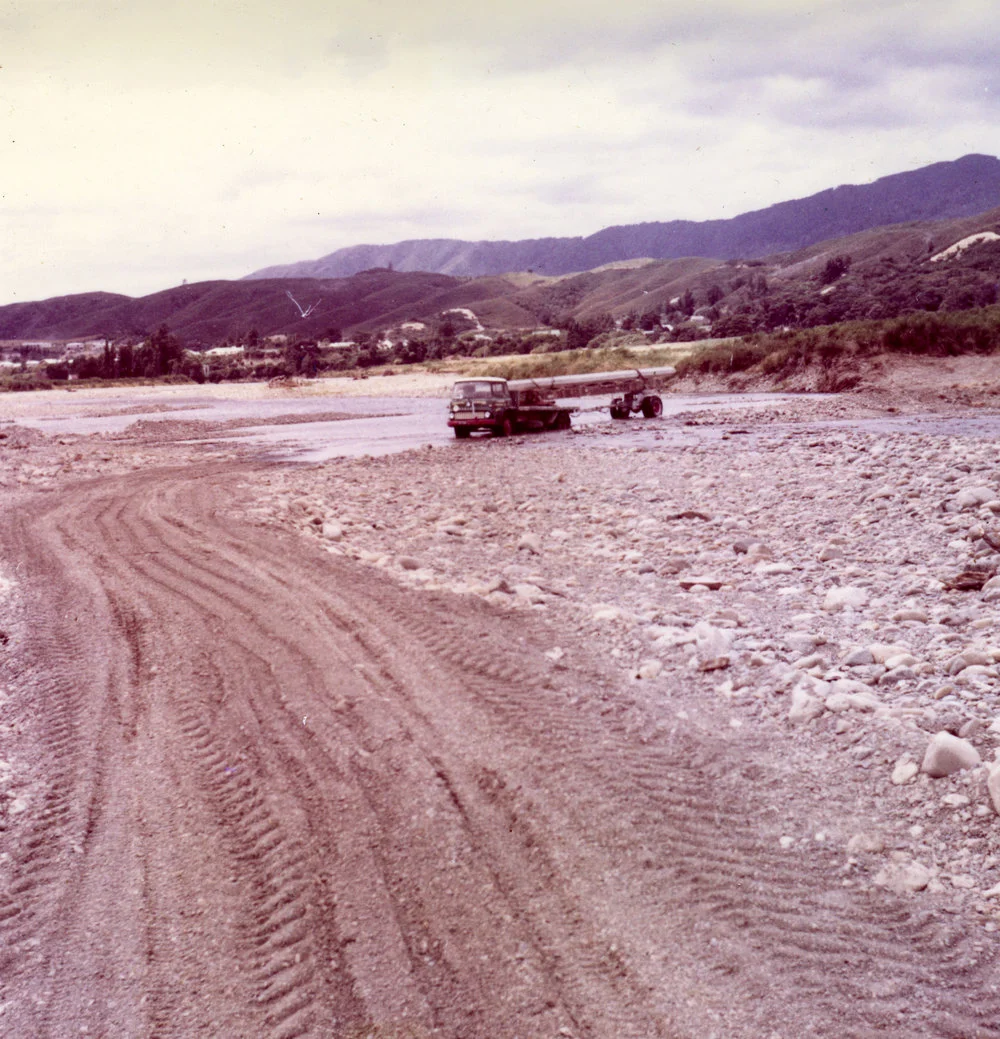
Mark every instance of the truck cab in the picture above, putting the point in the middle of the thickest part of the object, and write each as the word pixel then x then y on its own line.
pixel 481 404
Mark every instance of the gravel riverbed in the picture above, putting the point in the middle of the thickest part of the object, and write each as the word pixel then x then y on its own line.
pixel 690 723
pixel 830 588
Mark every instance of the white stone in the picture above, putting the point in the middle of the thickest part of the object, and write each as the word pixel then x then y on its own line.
pixel 649 669
pixel 805 663
pixel 883 651
pixel 971 498
pixel 846 597
pixel 805 707
pixel 865 843
pixel 711 643
pixel 802 641
pixel 903 877
pixel 670 636
pixel 838 703
pixel 758 552
pixel 530 543
pixel 773 569
pixel 897 674
pixel 530 593
pixel 855 688
pixel 814 685
pixel 993 785
pixel 946 754
pixel 904 771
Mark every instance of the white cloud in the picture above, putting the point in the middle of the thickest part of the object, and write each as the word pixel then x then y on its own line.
pixel 146 142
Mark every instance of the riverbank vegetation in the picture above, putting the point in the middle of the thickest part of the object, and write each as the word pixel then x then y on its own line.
pixel 840 350
pixel 850 344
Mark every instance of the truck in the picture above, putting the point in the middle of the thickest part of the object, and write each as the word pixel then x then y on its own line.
pixel 506 406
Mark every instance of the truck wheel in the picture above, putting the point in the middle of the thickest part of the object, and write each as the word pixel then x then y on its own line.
pixel 562 422
pixel 462 432
pixel 652 407
pixel 506 428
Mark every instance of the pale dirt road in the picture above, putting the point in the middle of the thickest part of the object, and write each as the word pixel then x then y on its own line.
pixel 277 795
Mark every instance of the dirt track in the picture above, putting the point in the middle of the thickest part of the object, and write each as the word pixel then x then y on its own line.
pixel 275 794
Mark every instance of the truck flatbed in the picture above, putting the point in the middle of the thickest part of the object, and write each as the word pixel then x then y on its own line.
pixel 508 406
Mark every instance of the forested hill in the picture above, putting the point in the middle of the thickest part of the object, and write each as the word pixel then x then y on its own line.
pixel 879 273
pixel 943 190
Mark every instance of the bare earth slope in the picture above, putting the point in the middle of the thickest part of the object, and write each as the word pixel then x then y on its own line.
pixel 277 794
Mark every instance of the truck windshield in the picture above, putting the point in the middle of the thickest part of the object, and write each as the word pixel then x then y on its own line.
pixel 477 390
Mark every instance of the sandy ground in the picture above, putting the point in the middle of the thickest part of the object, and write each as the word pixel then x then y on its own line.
pixel 561 735
pixel 49 403
pixel 906 383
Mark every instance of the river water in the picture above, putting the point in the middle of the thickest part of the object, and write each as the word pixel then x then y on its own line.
pixel 385 425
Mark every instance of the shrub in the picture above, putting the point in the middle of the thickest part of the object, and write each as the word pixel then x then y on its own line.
pixel 835 267
pixel 723 358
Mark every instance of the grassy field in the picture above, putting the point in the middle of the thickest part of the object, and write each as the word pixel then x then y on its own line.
pixel 569 362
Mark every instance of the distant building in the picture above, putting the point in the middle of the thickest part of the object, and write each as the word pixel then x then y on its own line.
pixel 222 351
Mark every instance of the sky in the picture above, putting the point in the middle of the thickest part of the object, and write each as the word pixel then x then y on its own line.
pixel 149 142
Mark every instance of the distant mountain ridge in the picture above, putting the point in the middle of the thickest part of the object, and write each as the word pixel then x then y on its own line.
pixel 881 272
pixel 943 190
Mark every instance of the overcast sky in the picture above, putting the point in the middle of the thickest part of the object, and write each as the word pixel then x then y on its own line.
pixel 150 141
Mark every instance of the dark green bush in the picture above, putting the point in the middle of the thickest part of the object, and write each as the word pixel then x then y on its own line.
pixel 921 333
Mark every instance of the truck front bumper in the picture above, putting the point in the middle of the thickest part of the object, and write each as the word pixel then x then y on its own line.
pixel 475 419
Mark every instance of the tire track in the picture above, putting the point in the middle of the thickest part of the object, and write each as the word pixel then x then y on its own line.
pixel 279 917
pixel 203 584
pixel 808 941
pixel 415 821
pixel 723 871
pixel 439 981
pixel 442 642
pixel 37 877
